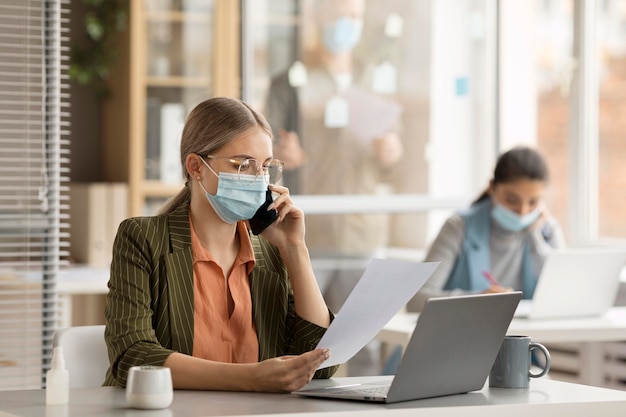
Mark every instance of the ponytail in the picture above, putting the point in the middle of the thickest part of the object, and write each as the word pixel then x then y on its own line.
pixel 174 202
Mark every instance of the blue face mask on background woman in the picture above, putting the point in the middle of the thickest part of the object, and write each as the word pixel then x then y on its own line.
pixel 342 35
pixel 512 221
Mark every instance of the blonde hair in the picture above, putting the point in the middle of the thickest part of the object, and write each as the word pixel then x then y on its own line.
pixel 212 124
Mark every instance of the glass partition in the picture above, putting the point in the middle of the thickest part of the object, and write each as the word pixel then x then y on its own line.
pixel 379 99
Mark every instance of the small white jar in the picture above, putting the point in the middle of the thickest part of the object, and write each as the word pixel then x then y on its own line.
pixel 149 387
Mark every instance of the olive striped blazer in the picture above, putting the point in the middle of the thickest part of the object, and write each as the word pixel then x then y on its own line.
pixel 149 309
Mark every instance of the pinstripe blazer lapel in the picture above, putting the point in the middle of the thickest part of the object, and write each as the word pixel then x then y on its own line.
pixel 270 302
pixel 179 275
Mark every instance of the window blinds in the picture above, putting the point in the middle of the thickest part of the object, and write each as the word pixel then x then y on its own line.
pixel 33 170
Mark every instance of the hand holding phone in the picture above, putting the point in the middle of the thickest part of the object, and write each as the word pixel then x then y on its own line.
pixel 263 217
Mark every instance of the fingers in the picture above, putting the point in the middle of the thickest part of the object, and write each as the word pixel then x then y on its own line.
pixel 388 149
pixel 281 196
pixel 304 367
pixel 310 360
pixel 541 220
pixel 290 373
pixel 289 138
pixel 279 189
pixel 317 356
pixel 288 230
pixel 282 203
pixel 497 289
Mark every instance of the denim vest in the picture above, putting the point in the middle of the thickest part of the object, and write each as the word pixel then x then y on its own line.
pixel 474 257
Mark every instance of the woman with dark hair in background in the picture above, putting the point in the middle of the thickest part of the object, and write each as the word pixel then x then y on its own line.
pixel 501 241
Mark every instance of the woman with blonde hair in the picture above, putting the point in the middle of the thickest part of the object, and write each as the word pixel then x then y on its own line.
pixel 193 290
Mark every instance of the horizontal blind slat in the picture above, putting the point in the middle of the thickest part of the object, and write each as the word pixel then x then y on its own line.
pixel 34 125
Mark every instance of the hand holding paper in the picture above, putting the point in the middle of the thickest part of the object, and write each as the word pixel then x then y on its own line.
pixel 385 287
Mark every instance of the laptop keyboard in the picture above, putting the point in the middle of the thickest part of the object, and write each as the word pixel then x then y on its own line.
pixel 377 391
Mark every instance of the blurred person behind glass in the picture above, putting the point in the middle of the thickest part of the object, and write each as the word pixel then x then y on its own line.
pixel 337 135
pixel 312 119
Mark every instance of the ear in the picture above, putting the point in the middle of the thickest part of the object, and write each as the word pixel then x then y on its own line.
pixel 192 166
pixel 490 188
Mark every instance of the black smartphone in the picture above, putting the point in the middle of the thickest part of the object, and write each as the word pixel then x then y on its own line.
pixel 263 217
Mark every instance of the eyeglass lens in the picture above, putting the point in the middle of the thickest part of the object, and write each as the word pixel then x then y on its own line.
pixel 273 169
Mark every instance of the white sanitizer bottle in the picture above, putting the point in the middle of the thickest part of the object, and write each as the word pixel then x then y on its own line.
pixel 57 380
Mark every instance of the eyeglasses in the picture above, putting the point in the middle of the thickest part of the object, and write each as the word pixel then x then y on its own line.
pixel 272 170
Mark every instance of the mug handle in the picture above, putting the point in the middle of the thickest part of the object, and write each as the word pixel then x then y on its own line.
pixel 546 368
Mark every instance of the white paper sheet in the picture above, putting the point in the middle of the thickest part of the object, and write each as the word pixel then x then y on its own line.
pixel 371 115
pixel 385 287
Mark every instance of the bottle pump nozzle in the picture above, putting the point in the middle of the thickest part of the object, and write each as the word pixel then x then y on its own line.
pixel 57 379
pixel 58 361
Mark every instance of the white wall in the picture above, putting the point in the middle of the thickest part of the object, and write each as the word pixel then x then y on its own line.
pixel 518 84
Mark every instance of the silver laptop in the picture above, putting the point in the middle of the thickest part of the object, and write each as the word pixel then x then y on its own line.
pixel 575 283
pixel 455 341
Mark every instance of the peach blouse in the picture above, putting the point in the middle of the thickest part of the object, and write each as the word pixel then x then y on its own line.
pixel 224 330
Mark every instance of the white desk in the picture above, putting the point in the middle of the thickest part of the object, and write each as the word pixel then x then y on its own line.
pixel 544 398
pixel 608 328
pixel 588 331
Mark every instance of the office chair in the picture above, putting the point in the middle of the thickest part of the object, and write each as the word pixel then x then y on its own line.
pixel 85 353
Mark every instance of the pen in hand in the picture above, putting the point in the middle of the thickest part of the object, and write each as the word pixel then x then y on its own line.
pixel 494 286
pixel 491 279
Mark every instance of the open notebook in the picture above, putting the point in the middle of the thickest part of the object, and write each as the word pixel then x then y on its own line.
pixel 575 283
pixel 455 341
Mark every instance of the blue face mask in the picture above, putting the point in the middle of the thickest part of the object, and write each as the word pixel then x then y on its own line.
pixel 238 196
pixel 512 221
pixel 342 35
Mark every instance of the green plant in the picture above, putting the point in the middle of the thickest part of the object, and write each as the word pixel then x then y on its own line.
pixel 92 59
